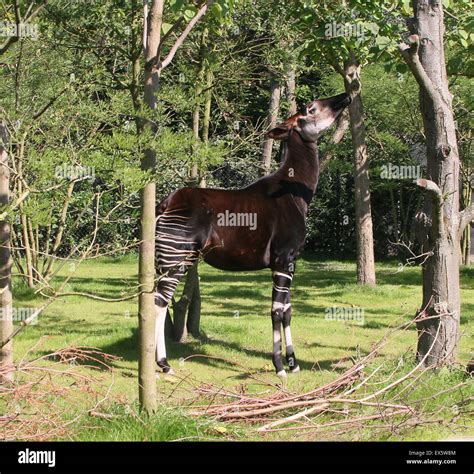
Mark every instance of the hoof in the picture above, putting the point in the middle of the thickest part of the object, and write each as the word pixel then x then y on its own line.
pixel 295 370
pixel 282 374
pixel 164 366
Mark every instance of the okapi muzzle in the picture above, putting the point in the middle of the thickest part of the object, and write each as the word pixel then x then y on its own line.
pixel 260 226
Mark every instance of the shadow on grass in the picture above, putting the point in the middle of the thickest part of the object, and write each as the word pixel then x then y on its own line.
pixel 178 353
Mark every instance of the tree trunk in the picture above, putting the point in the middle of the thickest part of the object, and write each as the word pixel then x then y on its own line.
pixel 206 118
pixel 291 90
pixel 187 311
pixel 6 320
pixel 439 316
pixel 146 270
pixel 466 235
pixel 153 67
pixel 195 171
pixel 363 213
pixel 273 108
pixel 194 310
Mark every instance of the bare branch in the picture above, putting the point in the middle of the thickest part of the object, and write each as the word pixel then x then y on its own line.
pixel 466 216
pixel 175 26
pixel 437 224
pixel 41 111
pixel 430 186
pixel 338 135
pixel 201 12
pixel 410 55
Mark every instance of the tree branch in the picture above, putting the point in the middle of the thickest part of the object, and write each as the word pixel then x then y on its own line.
pixel 436 219
pixel 430 186
pixel 175 26
pixel 201 12
pixel 338 135
pixel 466 216
pixel 41 111
pixel 410 55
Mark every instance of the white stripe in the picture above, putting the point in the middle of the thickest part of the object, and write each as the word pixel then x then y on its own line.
pixel 288 339
pixel 160 315
pixel 161 237
pixel 283 275
pixel 277 305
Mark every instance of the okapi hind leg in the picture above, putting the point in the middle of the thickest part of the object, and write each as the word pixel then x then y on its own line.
pixel 176 250
pixel 164 292
pixel 161 361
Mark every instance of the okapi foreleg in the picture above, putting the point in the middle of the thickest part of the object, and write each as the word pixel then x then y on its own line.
pixel 281 314
pixel 290 352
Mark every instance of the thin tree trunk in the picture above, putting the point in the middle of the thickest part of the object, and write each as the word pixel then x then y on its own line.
pixel 194 311
pixel 273 109
pixel 466 235
pixel 59 235
pixel 291 90
pixel 146 269
pixel 439 316
pixel 187 311
pixel 34 252
pixel 206 118
pixel 195 171
pixel 27 247
pixel 6 320
pixel 153 67
pixel 363 213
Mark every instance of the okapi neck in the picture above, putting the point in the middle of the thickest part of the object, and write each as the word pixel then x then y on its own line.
pixel 301 162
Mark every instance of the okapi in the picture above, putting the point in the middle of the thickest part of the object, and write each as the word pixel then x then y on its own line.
pixel 208 222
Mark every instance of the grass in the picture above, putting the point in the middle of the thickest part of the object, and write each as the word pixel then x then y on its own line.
pixel 236 327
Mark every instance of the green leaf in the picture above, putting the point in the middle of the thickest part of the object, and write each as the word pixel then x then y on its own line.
pixel 382 41
pixel 406 7
pixel 165 27
pixel 176 5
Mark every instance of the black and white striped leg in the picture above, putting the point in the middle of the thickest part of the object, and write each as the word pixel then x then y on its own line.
pixel 280 307
pixel 293 366
pixel 164 292
pixel 161 361
pixel 281 315
pixel 176 251
pixel 276 358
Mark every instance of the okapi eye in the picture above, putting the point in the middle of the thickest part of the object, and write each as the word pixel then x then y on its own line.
pixel 312 109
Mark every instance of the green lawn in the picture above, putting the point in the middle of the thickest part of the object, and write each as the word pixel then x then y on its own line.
pixel 236 326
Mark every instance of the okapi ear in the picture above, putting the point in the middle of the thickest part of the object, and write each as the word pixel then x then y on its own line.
pixel 280 132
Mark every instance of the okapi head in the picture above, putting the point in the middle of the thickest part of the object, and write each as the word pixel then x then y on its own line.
pixel 315 117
